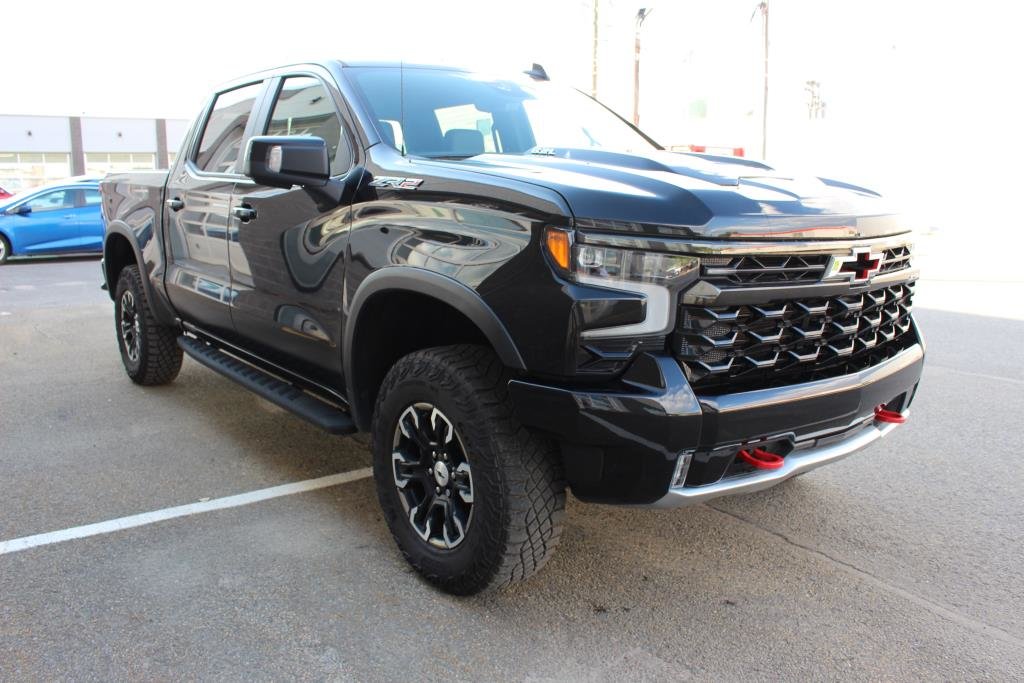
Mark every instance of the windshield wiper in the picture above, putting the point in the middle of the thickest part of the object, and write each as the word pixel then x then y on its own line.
pixel 455 157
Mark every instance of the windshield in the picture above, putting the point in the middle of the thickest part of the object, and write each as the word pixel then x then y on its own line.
pixel 438 113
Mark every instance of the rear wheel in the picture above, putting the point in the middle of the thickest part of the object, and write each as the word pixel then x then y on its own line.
pixel 149 351
pixel 5 250
pixel 474 500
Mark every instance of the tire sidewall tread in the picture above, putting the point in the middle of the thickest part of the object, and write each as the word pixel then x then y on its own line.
pixel 519 490
pixel 160 356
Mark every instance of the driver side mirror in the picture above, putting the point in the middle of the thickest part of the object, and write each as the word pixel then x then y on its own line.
pixel 22 210
pixel 287 160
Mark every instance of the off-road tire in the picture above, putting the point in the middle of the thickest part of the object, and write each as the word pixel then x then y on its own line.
pixel 519 491
pixel 159 356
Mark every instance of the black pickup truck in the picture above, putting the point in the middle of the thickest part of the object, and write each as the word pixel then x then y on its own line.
pixel 514 291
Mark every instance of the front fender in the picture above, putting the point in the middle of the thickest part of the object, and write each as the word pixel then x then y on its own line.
pixel 440 287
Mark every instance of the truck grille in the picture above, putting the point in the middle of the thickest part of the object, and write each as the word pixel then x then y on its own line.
pixel 763 270
pixel 786 341
pixel 897 258
pixel 783 269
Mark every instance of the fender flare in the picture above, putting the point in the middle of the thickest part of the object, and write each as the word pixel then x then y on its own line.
pixel 432 284
pixel 163 313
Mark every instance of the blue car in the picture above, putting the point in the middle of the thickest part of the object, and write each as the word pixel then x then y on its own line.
pixel 60 218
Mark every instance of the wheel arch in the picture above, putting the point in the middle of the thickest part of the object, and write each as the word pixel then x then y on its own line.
pixel 421 293
pixel 119 252
pixel 121 249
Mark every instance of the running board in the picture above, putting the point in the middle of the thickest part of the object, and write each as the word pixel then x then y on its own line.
pixel 324 415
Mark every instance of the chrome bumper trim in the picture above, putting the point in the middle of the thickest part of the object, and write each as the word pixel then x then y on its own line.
pixel 797 462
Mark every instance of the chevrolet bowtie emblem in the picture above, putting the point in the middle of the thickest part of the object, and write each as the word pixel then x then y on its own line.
pixel 858 267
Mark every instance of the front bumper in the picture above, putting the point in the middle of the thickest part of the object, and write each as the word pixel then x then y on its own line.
pixel 797 462
pixel 623 446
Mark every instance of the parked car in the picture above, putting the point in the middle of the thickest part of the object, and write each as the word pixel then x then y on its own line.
pixel 513 290
pixel 4 194
pixel 59 218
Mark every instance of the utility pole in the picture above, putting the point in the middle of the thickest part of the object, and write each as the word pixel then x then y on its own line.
pixel 763 7
pixel 593 57
pixel 641 14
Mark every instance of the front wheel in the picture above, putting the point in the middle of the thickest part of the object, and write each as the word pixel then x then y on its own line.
pixel 5 250
pixel 474 500
pixel 149 351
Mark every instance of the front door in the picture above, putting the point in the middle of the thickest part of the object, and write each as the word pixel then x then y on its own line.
pixel 287 257
pixel 197 209
pixel 49 226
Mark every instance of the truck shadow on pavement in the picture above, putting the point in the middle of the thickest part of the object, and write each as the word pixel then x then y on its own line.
pixel 856 567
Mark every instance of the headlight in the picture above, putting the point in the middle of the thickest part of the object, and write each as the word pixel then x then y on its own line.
pixel 634 266
pixel 610 263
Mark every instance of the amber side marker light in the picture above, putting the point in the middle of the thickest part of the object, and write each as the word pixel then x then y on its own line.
pixel 559 246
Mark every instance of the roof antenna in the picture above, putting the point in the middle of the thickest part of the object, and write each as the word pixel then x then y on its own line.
pixel 537 73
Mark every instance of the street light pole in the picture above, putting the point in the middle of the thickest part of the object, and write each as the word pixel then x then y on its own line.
pixel 763 6
pixel 641 14
pixel 593 56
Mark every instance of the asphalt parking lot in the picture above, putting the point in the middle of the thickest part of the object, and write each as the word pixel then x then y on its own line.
pixel 902 562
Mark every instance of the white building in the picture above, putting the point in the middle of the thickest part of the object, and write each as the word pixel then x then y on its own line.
pixel 40 149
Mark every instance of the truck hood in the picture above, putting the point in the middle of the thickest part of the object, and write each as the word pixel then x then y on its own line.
pixel 696 195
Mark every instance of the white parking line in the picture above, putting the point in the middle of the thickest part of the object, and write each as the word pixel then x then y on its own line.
pixel 16 544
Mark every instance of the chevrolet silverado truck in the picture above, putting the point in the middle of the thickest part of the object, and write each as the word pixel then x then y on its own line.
pixel 515 292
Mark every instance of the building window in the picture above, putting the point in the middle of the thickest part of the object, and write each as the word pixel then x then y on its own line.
pixel 23 170
pixel 101 163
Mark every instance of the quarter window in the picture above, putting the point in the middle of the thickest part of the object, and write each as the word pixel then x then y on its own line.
pixel 304 107
pixel 221 142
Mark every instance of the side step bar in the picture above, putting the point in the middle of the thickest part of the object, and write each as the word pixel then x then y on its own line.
pixel 329 418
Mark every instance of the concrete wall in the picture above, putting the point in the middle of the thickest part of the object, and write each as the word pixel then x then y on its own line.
pixel 35 134
pixel 177 129
pixel 118 135
pixel 76 137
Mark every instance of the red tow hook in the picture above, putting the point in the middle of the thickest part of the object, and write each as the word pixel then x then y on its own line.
pixel 883 414
pixel 761 459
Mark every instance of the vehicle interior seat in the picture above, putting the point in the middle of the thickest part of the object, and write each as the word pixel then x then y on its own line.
pixel 465 142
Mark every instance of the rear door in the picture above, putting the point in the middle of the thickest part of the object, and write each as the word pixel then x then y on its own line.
pixel 87 216
pixel 197 205
pixel 287 260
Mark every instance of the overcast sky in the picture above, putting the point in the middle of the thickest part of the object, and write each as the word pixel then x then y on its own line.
pixel 930 84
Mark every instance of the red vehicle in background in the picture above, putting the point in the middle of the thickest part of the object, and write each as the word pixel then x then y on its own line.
pixel 4 194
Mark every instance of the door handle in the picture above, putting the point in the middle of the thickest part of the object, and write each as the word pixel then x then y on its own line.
pixel 175 204
pixel 244 213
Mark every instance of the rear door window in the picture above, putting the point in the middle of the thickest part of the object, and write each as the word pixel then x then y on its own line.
pixel 221 143
pixel 304 107
pixel 88 198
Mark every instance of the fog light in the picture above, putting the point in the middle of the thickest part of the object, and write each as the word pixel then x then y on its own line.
pixel 682 468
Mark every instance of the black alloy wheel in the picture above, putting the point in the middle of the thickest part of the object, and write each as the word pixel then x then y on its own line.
pixel 474 500
pixel 432 475
pixel 128 323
